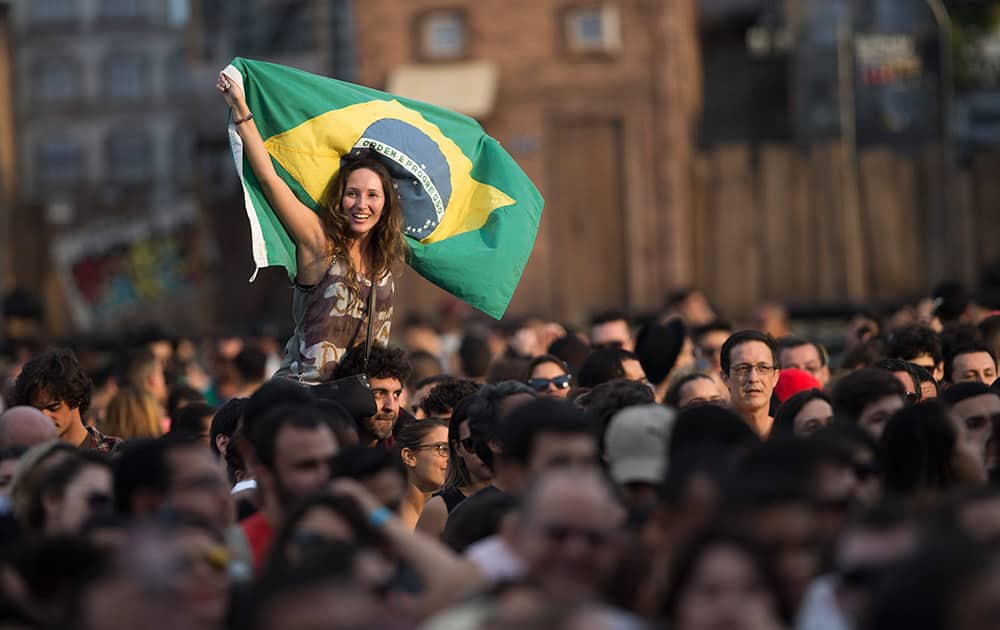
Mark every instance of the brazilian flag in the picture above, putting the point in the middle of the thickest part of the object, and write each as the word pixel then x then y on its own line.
pixel 470 213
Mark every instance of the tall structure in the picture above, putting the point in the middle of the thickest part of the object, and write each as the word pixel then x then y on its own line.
pixel 104 153
pixel 314 35
pixel 8 150
pixel 595 101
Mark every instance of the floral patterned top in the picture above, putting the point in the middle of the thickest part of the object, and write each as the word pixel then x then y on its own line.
pixel 328 323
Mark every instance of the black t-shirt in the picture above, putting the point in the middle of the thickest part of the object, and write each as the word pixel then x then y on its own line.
pixel 477 517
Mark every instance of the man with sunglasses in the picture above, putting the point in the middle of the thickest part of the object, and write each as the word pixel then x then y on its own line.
pixel 549 376
pixel 977 406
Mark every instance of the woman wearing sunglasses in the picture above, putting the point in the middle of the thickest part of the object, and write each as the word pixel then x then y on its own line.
pixel 549 375
pixel 424 451
pixel 467 474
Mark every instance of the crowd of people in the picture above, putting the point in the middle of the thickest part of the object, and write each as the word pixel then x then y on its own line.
pixel 666 471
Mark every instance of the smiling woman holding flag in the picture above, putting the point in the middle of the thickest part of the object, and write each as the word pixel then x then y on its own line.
pixel 342 181
pixel 342 253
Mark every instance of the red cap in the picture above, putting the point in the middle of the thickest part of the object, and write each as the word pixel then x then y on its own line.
pixel 792 381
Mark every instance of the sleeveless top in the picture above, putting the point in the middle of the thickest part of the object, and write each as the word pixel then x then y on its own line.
pixel 329 322
pixel 452 496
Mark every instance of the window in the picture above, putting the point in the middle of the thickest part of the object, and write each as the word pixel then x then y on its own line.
pixel 592 29
pixel 56 82
pixel 441 35
pixel 121 9
pixel 182 158
pixel 178 74
pixel 52 11
pixel 128 158
pixel 125 77
pixel 60 162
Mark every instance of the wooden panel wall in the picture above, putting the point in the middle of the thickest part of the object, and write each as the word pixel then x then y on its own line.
pixel 783 223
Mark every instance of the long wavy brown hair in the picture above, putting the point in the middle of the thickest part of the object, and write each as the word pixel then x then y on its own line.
pixel 386 246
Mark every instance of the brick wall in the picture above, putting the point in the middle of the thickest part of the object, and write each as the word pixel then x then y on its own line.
pixel 651 88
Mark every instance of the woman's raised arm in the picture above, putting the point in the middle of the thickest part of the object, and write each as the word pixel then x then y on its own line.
pixel 302 223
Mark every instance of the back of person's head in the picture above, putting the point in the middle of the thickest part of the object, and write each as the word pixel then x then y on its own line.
pixel 989 328
pixel 774 472
pixel 571 349
pixel 710 426
pixel 918 450
pixel 251 364
pixel 474 357
pixel 190 421
pixel 507 369
pixel 603 365
pixel 784 418
pixel 274 392
pixel 966 348
pixel 519 429
pixel 423 365
pixel 484 411
pixel 742 337
pixel 951 299
pixel 443 397
pixel 911 342
pixel 226 420
pixel 345 428
pixel 141 467
pixel 136 365
pixel 607 399
pixel 962 391
pixel 132 413
pixel 467 526
pixel 263 435
pixel 658 347
pixel 362 463
pixel 923 591
pixel 55 374
pixel 865 354
pixel 901 365
pixel 860 388
pixel 181 395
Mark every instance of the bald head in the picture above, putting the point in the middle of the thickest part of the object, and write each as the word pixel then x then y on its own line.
pixel 25 426
pixel 569 524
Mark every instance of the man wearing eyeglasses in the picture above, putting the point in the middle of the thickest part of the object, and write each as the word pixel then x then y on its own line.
pixel 750 371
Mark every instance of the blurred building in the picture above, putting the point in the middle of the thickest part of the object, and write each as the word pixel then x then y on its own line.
pixel 314 35
pixel 595 100
pixel 8 150
pixel 104 155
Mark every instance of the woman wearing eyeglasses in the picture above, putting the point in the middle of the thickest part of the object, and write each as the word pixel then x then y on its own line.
pixel 549 375
pixel 423 447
